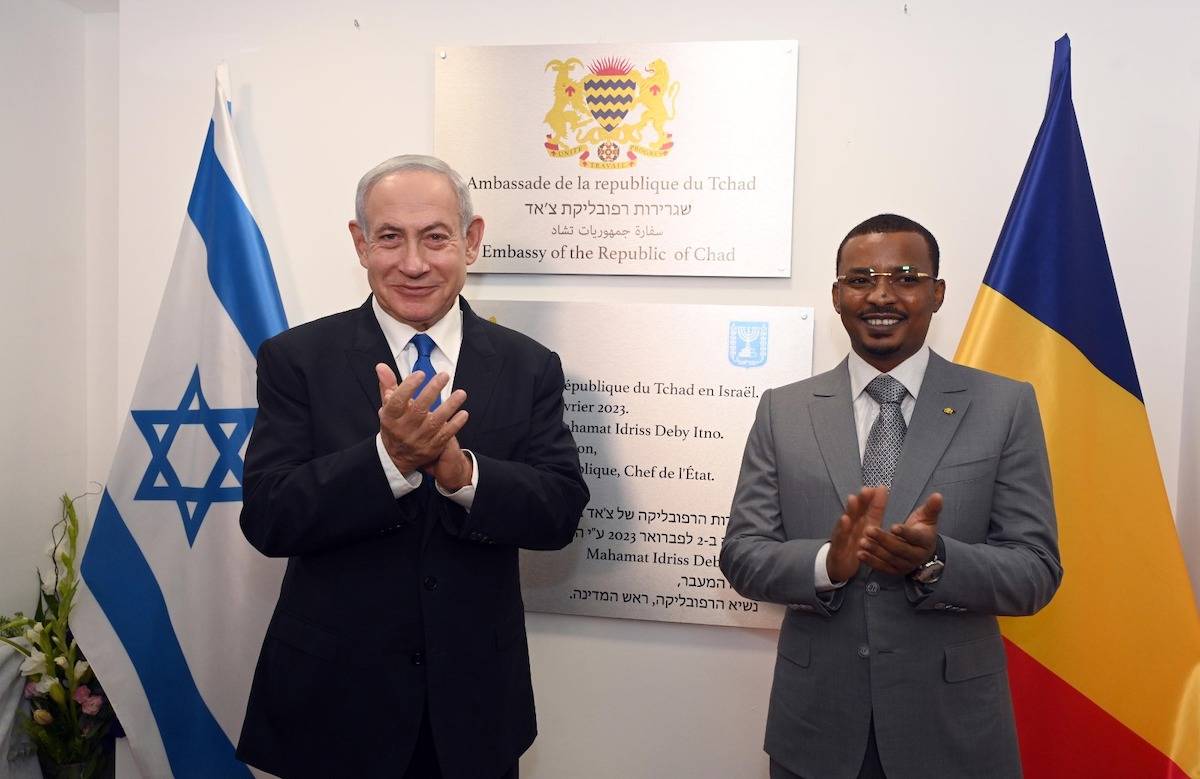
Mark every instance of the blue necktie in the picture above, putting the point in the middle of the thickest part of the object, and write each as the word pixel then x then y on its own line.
pixel 424 346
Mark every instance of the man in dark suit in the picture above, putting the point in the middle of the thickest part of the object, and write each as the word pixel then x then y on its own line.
pixel 897 504
pixel 398 645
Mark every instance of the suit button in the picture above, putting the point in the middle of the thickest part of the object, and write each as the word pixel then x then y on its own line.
pixel 430 582
pixel 939 606
pixel 872 588
pixel 864 651
pixel 418 658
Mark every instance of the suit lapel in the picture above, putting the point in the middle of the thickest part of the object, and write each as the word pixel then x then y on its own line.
pixel 478 367
pixel 367 349
pixel 929 433
pixel 832 416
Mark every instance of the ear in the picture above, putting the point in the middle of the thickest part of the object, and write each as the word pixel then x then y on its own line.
pixel 474 238
pixel 939 293
pixel 837 303
pixel 360 242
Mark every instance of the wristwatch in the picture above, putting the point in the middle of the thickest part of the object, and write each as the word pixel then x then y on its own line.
pixel 930 571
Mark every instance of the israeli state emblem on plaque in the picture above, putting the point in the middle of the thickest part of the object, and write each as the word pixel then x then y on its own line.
pixel 610 113
pixel 748 344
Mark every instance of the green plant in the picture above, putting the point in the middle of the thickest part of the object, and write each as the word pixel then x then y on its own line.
pixel 70 716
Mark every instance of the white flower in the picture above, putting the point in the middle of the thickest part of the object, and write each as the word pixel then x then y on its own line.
pixel 34 664
pixel 49 581
pixel 81 668
pixel 60 661
pixel 33 634
pixel 44 684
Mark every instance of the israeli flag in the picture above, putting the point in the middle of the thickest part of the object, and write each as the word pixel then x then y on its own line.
pixel 175 602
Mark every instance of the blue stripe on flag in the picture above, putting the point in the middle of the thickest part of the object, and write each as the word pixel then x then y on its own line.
pixel 239 266
pixel 122 582
pixel 1051 259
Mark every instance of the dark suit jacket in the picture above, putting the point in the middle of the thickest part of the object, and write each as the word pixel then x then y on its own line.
pixel 929 666
pixel 389 605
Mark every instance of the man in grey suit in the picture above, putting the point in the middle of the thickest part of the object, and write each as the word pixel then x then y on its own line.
pixel 897 504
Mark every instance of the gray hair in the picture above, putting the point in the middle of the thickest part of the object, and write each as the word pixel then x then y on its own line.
pixel 412 162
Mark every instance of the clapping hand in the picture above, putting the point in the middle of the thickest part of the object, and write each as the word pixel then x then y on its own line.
pixel 862 511
pixel 903 548
pixel 415 437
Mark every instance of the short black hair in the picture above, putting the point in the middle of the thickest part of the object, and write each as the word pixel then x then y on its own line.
pixel 891 223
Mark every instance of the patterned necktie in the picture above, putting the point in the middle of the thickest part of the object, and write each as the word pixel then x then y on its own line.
pixel 425 346
pixel 886 439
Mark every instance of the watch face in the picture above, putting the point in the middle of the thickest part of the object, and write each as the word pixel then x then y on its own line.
pixel 930 572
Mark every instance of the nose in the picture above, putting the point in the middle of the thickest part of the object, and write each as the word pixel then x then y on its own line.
pixel 881 290
pixel 411 261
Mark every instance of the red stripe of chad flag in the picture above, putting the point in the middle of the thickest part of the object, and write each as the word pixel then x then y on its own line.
pixel 1106 679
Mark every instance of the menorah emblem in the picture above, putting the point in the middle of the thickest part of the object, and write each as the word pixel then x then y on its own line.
pixel 748 344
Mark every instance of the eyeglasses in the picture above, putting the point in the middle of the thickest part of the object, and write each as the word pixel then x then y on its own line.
pixel 902 279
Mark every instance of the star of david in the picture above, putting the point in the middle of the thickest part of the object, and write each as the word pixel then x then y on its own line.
pixel 227 428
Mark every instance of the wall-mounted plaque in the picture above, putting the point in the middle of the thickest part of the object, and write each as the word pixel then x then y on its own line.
pixel 672 159
pixel 660 399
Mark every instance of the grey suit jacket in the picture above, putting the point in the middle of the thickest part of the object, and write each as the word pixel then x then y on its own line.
pixel 927 663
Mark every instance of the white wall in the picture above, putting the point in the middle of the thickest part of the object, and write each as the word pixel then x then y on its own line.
pixel 104 416
pixel 925 108
pixel 42 282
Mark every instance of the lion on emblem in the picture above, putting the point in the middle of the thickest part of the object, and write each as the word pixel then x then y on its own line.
pixel 653 89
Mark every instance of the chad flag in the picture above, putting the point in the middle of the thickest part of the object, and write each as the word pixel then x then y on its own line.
pixel 1106 679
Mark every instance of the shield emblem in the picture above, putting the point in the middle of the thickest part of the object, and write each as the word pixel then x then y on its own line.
pixel 748 344
pixel 609 91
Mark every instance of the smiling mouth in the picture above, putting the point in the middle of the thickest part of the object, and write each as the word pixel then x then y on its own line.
pixel 415 291
pixel 883 321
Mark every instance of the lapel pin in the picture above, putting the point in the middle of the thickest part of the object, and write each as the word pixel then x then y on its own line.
pixel 947 410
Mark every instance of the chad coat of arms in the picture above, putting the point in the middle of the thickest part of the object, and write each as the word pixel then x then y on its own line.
pixel 609 107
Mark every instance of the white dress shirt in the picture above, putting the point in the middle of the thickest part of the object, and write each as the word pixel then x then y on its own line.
pixel 910 373
pixel 447 335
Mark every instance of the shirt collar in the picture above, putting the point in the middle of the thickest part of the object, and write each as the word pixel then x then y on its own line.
pixel 910 373
pixel 447 332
